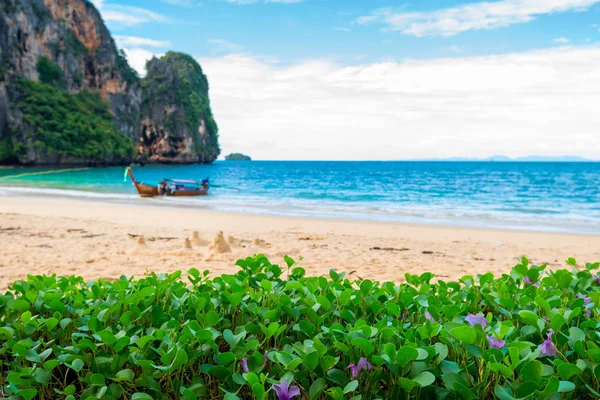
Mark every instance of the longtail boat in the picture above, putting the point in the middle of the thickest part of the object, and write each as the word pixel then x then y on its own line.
pixel 170 187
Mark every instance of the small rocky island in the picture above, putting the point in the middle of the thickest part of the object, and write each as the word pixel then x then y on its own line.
pixel 237 157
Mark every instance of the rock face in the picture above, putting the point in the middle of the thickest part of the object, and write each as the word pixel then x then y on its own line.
pixel 177 123
pixel 68 96
pixel 65 44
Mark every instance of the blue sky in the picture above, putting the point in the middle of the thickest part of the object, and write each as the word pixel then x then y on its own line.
pixel 414 75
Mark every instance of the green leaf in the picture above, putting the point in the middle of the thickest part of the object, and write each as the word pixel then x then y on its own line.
pixel 529 317
pixel 424 379
pixel 97 380
pixel 564 387
pixel 311 360
pixel 364 344
pixel 532 371
pixel 141 396
pixel 20 305
pixel 406 355
pixel 317 388
pixel 258 390
pixel 351 387
pixel 126 375
pixel 211 318
pixel 465 334
pixel 501 368
pixel 77 365
pixel 576 334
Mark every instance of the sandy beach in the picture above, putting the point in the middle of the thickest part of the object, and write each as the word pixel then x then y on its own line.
pixel 41 235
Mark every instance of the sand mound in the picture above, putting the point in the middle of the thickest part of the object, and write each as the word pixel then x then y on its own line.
pixel 219 245
pixel 260 243
pixel 186 250
pixel 198 241
pixel 140 247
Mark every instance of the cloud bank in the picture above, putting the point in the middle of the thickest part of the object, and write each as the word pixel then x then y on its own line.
pixel 539 102
pixel 471 16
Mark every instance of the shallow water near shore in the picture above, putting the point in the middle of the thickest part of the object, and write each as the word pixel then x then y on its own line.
pixel 561 197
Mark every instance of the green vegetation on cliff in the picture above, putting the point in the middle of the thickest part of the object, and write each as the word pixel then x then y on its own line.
pixel 49 72
pixel 183 82
pixel 237 157
pixel 71 126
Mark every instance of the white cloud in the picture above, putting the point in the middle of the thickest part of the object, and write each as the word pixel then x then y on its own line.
pixel 179 2
pixel 471 16
pixel 135 41
pixel 538 102
pixel 127 15
pixel 223 45
pixel 341 29
pixel 561 40
pixel 137 58
pixel 243 2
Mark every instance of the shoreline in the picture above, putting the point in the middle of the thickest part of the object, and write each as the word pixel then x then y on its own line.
pixel 290 210
pixel 94 239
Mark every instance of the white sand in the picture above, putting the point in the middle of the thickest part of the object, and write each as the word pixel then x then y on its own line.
pixel 48 235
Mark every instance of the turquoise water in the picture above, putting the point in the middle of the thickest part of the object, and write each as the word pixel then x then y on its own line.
pixel 529 196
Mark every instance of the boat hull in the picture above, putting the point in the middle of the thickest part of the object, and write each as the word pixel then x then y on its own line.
pixel 152 191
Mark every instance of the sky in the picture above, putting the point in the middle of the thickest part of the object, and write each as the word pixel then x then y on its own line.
pixel 383 79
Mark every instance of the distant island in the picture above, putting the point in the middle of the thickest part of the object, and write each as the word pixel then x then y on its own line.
pixel 237 157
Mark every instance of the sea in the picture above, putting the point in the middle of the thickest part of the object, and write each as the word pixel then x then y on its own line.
pixel 538 196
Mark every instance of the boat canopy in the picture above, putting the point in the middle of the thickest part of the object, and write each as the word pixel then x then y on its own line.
pixel 183 181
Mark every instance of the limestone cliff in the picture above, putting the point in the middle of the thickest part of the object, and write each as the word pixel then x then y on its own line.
pixel 68 96
pixel 64 48
pixel 176 119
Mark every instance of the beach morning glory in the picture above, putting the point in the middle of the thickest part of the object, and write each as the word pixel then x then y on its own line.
pixel 244 364
pixel 528 281
pixel 476 319
pixel 362 364
pixel 586 300
pixel 284 391
pixel 597 277
pixel 548 348
pixel 429 317
pixel 495 343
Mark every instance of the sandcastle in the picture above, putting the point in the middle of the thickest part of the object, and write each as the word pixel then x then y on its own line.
pixel 197 241
pixel 139 247
pixel 219 244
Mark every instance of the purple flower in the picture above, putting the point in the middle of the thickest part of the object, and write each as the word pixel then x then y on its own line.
pixel 284 391
pixel 495 343
pixel 362 364
pixel 586 300
pixel 548 348
pixel 597 277
pixel 244 364
pixel 476 319
pixel 529 282
pixel 429 317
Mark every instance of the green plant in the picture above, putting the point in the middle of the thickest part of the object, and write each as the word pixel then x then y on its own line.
pixel 7 153
pixel 72 125
pixel 49 72
pixel 239 336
